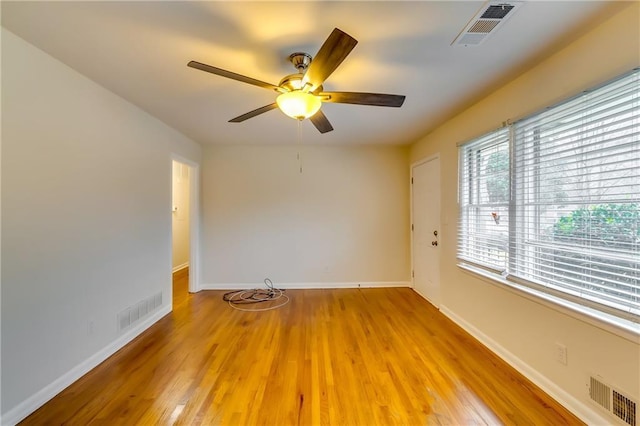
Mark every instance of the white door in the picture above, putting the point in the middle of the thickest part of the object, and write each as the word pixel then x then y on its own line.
pixel 425 196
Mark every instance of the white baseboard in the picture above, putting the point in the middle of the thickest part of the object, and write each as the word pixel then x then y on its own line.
pixel 38 399
pixel 354 284
pixel 581 410
pixel 180 267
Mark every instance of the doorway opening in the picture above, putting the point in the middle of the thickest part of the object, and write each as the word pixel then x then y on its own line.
pixel 184 228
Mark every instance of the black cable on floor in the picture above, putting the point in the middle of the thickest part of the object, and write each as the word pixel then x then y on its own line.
pixel 238 298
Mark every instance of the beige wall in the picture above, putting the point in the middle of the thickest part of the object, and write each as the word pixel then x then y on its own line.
pixel 84 167
pixel 86 222
pixel 344 219
pixel 180 215
pixel 524 330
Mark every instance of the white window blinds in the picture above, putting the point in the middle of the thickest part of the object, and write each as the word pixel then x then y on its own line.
pixel 483 230
pixel 554 200
pixel 577 196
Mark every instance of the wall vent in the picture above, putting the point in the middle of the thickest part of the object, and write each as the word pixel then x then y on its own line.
pixel 600 393
pixel 624 408
pixel 485 22
pixel 614 401
pixel 133 314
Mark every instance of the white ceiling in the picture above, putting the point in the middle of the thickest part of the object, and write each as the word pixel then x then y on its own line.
pixel 139 50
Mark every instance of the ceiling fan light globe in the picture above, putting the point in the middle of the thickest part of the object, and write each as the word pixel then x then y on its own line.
pixel 298 104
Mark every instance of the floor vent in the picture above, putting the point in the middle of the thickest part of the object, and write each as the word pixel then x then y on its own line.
pixel 485 22
pixel 615 402
pixel 137 312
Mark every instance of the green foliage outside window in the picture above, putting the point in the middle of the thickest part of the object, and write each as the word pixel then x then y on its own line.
pixel 602 225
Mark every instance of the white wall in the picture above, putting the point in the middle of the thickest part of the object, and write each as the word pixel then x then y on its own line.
pixel 180 216
pixel 525 330
pixel 343 220
pixel 86 221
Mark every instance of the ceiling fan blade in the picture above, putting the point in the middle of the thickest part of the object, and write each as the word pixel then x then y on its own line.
pixel 334 50
pixel 321 122
pixel 253 113
pixel 231 75
pixel 376 99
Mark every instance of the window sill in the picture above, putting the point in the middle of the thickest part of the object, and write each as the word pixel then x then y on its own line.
pixel 624 328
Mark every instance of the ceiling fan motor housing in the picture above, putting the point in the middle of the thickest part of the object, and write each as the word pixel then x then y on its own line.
pixel 292 82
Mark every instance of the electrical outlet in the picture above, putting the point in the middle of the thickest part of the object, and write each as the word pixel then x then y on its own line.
pixel 561 353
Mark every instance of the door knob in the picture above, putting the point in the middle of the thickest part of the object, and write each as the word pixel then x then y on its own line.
pixel 434 243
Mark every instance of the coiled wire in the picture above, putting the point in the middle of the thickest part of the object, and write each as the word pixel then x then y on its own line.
pixel 237 299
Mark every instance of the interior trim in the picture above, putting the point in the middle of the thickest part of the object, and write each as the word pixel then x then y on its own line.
pixel 308 285
pixel 35 401
pixel 581 410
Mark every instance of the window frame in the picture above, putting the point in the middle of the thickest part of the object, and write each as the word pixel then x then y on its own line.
pixel 628 319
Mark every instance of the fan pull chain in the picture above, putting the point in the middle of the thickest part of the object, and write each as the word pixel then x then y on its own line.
pixel 299 137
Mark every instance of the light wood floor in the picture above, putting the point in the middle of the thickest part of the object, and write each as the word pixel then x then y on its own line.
pixel 339 357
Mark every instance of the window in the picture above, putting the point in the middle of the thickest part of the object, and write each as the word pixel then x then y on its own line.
pixel 553 201
pixel 484 210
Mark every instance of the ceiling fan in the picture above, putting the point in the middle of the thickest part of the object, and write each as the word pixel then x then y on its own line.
pixel 301 95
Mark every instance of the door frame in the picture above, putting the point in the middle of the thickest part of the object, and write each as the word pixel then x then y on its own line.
pixel 411 167
pixel 194 220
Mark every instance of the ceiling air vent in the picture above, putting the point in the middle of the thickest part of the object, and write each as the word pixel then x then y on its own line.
pixel 485 22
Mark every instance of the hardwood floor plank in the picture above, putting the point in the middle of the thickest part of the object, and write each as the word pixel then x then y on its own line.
pixel 339 357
